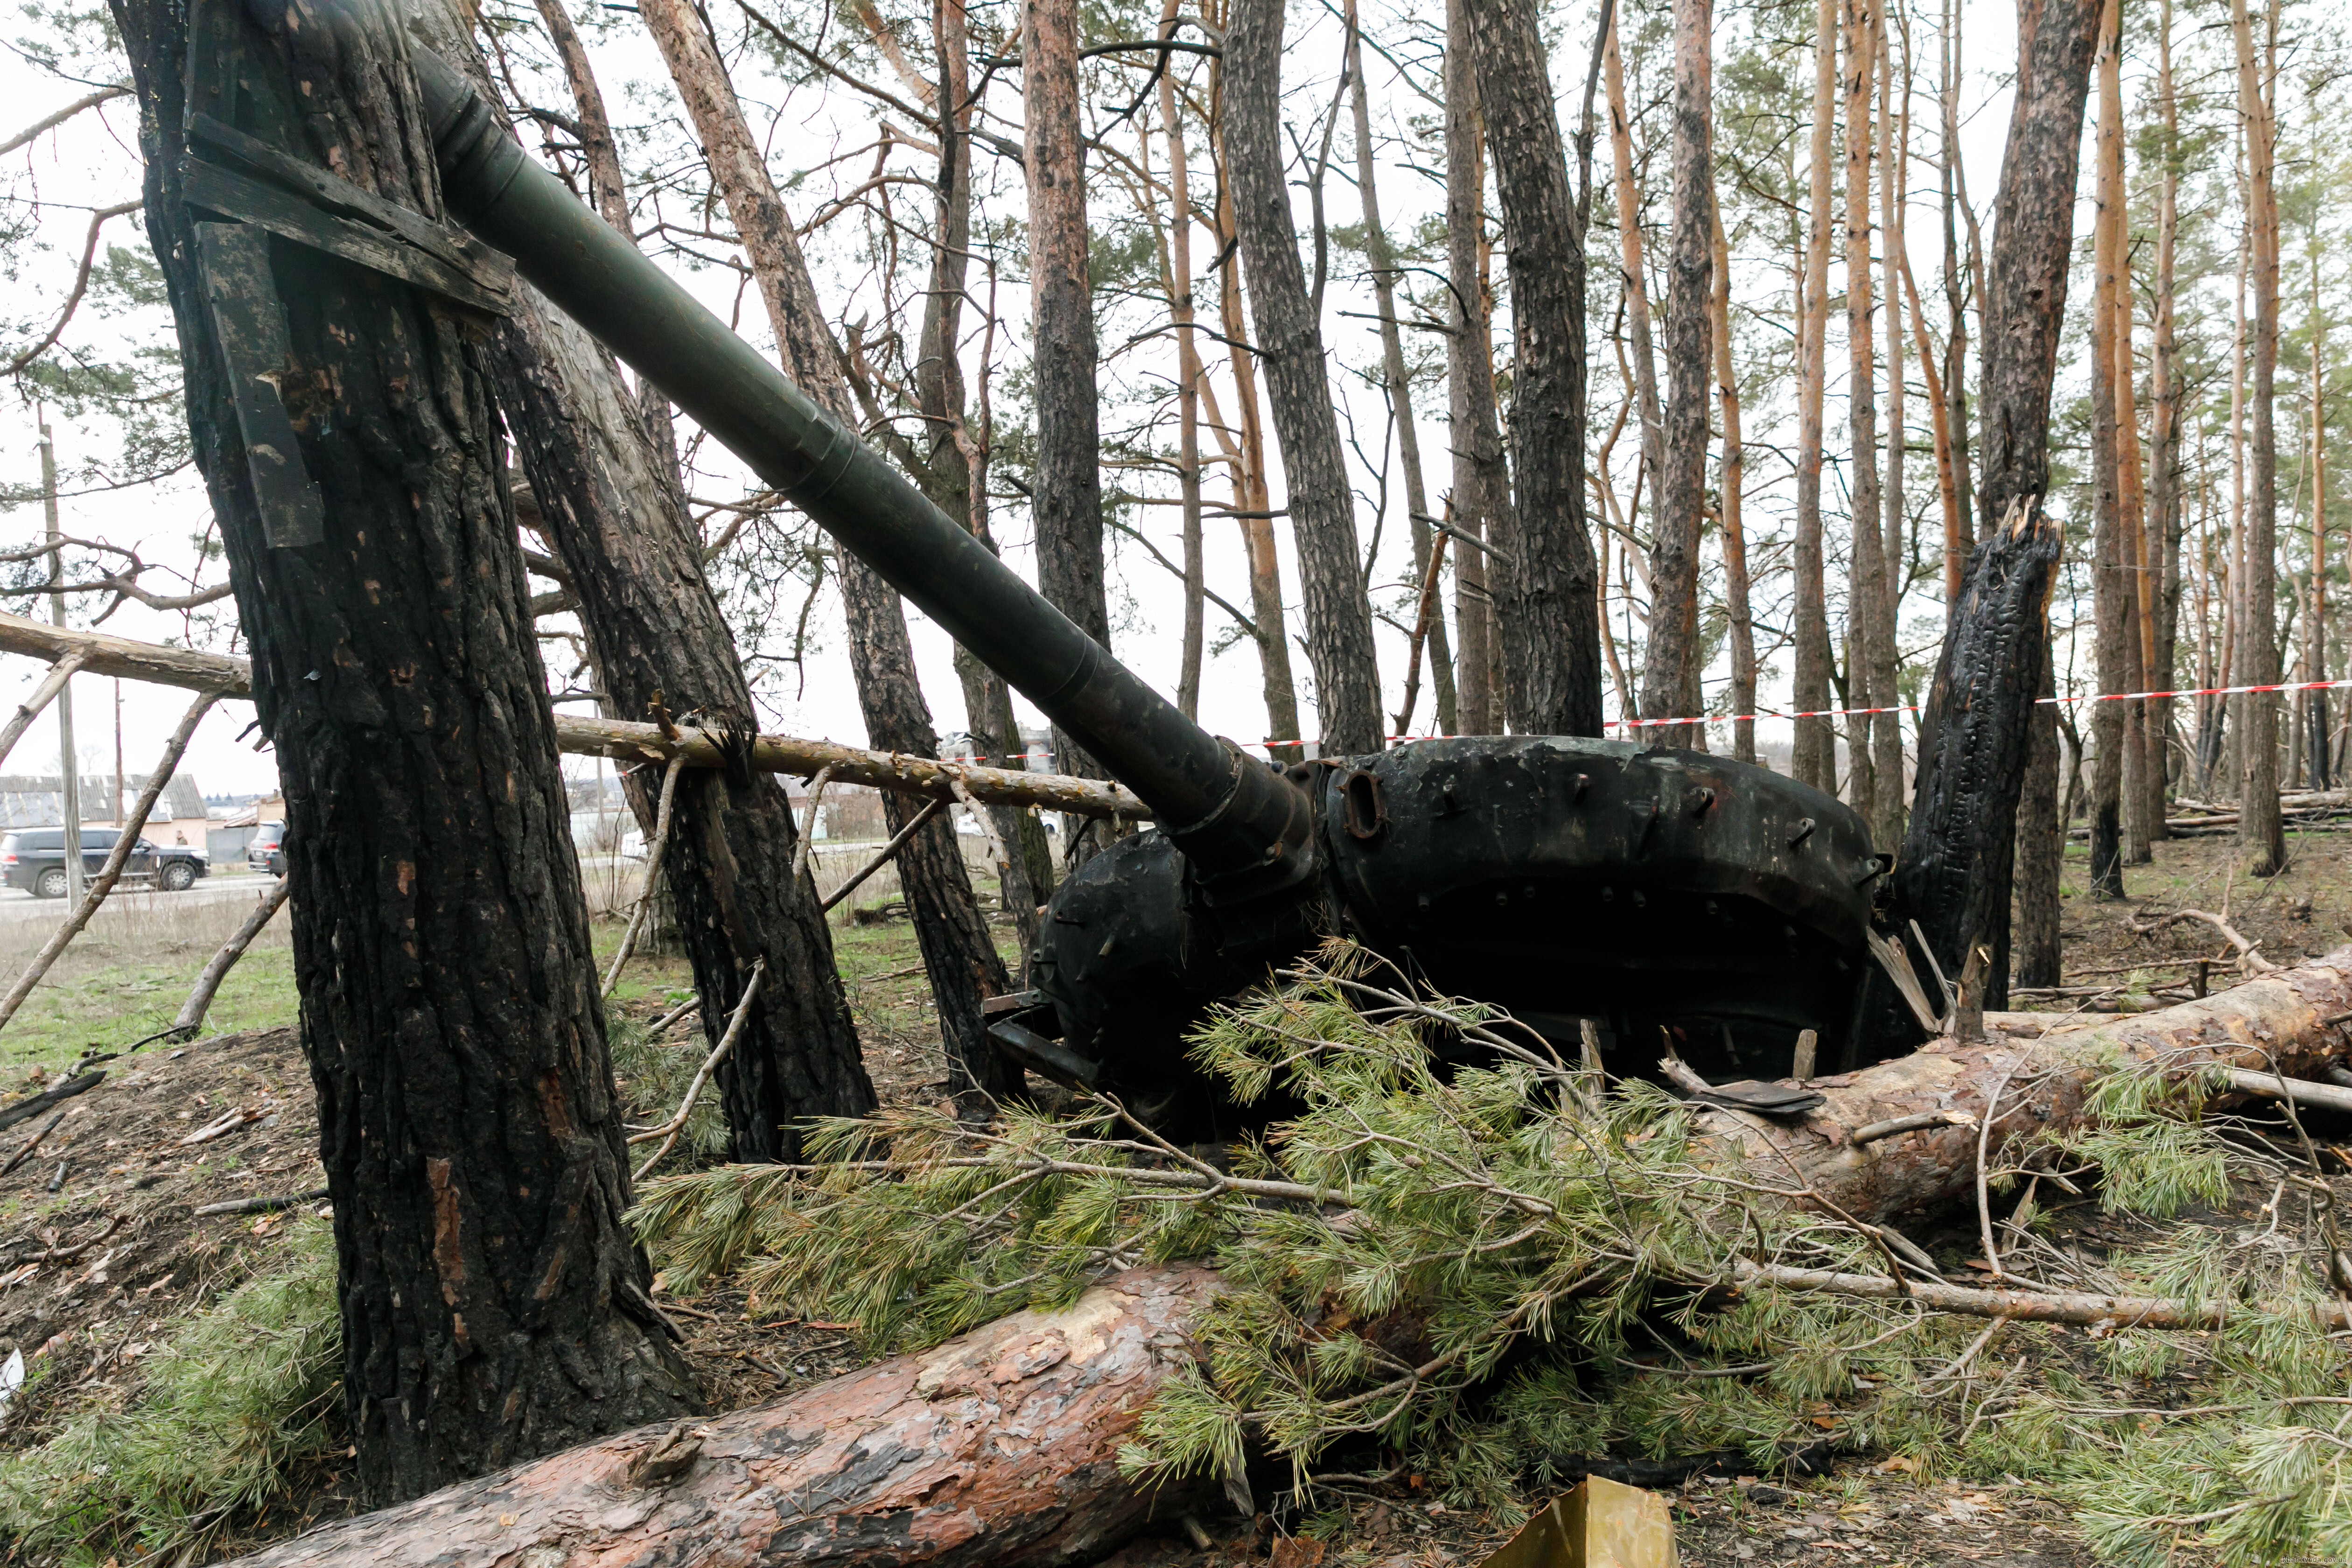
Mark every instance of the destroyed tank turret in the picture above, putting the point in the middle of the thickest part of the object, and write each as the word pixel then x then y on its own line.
pixel 1665 896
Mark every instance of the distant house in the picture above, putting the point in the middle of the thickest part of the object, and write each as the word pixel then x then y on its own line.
pixel 37 800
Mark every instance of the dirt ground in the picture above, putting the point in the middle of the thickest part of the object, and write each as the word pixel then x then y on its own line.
pixel 102 1248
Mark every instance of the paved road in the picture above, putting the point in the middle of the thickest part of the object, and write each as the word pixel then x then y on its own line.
pixel 19 908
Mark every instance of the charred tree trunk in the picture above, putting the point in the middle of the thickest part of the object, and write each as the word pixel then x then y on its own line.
pixel 1813 755
pixel 957 954
pixel 1481 476
pixel 1551 615
pixel 1670 686
pixel 1870 636
pixel 1290 349
pixel 609 505
pixel 1066 494
pixel 1976 741
pixel 1960 850
pixel 493 1305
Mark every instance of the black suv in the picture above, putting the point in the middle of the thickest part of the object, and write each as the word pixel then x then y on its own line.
pixel 266 851
pixel 34 858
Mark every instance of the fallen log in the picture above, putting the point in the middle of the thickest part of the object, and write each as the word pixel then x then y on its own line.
pixel 1000 1446
pixel 995 1448
pixel 2041 1066
pixel 104 654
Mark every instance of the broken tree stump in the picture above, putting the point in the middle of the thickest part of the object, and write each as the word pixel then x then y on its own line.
pixel 998 1448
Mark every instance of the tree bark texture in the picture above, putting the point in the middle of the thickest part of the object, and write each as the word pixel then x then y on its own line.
pixel 1670 685
pixel 656 633
pixel 2034 951
pixel 2025 305
pixel 493 1306
pixel 952 461
pixel 1290 350
pixel 1975 747
pixel 2119 368
pixel 2042 1065
pixel 2033 232
pixel 1481 476
pixel 2111 575
pixel 2259 833
pixel 957 954
pixel 1813 753
pixel 1066 496
pixel 1875 790
pixel 1379 257
pixel 998 1448
pixel 1733 477
pixel 1550 615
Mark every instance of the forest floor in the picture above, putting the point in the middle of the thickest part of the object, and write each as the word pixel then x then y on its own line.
pixel 122 1175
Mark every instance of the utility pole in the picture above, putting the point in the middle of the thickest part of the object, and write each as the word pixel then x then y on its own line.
pixel 69 762
pixel 115 815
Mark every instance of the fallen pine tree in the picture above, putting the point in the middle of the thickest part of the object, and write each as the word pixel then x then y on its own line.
pixel 1380 1259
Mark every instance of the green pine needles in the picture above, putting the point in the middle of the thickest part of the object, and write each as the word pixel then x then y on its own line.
pixel 1487 1271
pixel 246 1391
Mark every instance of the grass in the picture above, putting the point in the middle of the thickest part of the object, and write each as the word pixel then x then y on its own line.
pixel 241 1395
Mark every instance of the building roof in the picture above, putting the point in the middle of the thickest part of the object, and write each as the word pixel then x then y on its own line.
pixel 37 800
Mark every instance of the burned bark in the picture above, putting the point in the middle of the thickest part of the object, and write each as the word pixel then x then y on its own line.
pixel 2025 305
pixel 1550 612
pixel 1290 349
pixel 996 1449
pixel 493 1306
pixel 1953 873
pixel 2259 831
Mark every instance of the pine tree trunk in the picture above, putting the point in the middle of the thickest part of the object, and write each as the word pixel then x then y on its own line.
pixel 1181 315
pixel 493 1304
pixel 1670 681
pixel 1952 185
pixel 2315 631
pixel 1875 795
pixel 2035 953
pixel 2260 834
pixel 1551 618
pixel 2142 812
pixel 2165 475
pixel 1290 349
pixel 1382 259
pixel 1246 458
pixel 1481 476
pixel 1732 476
pixel 2024 307
pixel 1814 758
pixel 948 464
pixel 1066 496
pixel 957 954
pixel 1632 271
pixel 611 509
pixel 1894 176
pixel 2112 590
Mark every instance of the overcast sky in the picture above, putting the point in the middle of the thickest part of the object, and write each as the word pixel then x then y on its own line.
pixel 94 162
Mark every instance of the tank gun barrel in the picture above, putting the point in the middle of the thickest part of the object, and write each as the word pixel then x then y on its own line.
pixel 1239 822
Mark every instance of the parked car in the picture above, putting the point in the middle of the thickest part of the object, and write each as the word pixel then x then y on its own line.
pixel 266 851
pixel 34 858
